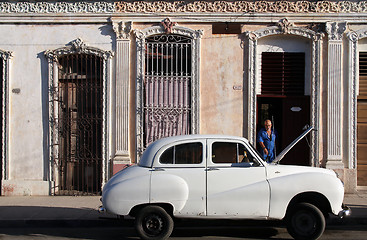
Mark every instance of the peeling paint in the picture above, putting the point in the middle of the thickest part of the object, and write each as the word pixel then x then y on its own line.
pixel 8 189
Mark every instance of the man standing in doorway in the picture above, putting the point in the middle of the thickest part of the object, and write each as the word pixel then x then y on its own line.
pixel 266 139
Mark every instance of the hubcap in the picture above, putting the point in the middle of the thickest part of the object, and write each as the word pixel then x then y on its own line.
pixel 153 224
pixel 304 223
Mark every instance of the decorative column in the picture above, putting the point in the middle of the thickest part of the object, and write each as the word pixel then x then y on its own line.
pixel 5 58
pixel 251 87
pixel 335 32
pixel 121 156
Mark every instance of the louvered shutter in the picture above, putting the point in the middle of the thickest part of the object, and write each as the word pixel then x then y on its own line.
pixel 282 73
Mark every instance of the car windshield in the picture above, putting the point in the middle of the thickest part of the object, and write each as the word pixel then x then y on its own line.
pixel 256 151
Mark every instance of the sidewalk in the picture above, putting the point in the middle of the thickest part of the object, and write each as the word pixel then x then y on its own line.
pixel 43 211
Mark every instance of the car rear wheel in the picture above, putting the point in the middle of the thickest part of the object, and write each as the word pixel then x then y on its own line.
pixel 153 222
pixel 305 221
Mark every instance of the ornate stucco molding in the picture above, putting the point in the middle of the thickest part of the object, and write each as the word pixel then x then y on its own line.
pixel 141 35
pixel 206 6
pixel 76 47
pixel 122 29
pixel 335 30
pixel 5 58
pixel 316 39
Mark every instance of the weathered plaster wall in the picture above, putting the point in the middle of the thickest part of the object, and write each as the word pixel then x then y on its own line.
pixel 28 97
pixel 221 83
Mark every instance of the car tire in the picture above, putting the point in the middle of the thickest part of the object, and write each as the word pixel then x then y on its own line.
pixel 305 221
pixel 153 222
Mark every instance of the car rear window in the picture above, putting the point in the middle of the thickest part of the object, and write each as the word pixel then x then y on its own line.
pixel 187 153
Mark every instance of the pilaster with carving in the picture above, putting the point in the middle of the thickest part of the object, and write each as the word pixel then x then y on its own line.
pixel 251 76
pixel 122 79
pixel 335 31
pixel 353 38
pixel 315 96
pixel 5 58
pixel 285 27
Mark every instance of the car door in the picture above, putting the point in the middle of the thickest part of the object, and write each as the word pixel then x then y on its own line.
pixel 236 181
pixel 179 177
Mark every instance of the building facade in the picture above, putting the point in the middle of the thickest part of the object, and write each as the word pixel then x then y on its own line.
pixel 87 86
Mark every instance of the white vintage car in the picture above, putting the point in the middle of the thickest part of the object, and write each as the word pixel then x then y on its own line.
pixel 221 177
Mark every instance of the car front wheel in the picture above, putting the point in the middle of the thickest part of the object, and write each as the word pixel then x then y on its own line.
pixel 305 221
pixel 153 222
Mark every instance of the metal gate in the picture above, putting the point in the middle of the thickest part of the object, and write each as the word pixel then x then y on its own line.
pixel 80 122
pixel 167 87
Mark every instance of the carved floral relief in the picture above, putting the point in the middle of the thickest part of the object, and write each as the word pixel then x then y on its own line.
pixel 184 6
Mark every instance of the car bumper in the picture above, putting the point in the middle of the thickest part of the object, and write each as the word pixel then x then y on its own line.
pixel 345 212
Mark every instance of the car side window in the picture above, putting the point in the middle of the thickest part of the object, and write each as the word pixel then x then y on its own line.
pixel 224 152
pixel 187 153
pixel 227 152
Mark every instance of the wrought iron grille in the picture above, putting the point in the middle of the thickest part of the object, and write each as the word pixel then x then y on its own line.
pixel 80 121
pixel 167 87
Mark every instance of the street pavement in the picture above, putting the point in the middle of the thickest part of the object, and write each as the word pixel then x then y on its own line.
pixel 82 211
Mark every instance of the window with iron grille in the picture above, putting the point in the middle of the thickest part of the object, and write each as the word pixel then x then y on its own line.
pixel 80 118
pixel 282 73
pixel 167 87
pixel 362 75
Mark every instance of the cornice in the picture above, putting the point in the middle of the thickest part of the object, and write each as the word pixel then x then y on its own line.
pixel 208 6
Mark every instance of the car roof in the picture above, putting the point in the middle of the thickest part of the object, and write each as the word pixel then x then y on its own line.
pixel 150 152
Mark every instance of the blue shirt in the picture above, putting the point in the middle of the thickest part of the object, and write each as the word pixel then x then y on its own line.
pixel 269 142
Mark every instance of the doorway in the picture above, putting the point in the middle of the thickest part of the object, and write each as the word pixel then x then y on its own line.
pixel 80 118
pixel 289 116
pixel 283 101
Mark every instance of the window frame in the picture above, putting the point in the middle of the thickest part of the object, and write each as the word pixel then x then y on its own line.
pixel 250 150
pixel 158 164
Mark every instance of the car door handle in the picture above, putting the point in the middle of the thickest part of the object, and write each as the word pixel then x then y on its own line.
pixel 212 169
pixel 157 169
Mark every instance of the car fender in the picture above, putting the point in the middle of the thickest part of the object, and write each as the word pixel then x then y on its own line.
pixel 285 188
pixel 121 197
pixel 169 188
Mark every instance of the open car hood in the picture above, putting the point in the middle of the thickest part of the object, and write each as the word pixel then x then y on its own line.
pixel 289 147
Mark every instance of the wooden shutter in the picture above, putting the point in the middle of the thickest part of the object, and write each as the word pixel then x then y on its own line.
pixel 282 73
pixel 362 75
